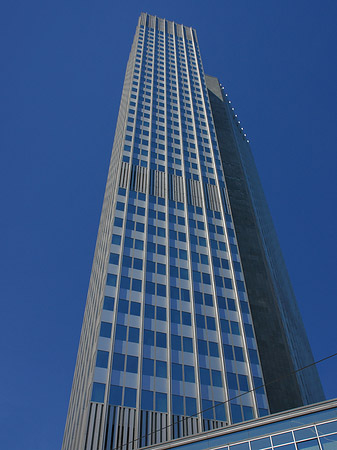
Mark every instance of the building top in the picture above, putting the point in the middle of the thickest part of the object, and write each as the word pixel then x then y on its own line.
pixel 166 26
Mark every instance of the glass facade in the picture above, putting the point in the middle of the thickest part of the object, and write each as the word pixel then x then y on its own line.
pixel 168 347
pixel 180 338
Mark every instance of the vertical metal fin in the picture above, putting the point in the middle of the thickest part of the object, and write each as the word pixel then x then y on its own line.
pixel 124 175
pixel 94 426
pixel 121 429
pixel 176 188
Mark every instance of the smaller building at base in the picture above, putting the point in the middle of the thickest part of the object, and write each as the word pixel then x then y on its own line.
pixel 312 427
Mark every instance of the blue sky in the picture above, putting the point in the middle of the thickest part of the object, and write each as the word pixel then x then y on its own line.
pixel 63 66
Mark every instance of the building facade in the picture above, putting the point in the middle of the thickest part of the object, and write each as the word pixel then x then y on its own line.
pixel 311 427
pixel 176 334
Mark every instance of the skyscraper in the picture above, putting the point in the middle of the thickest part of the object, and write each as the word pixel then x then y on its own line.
pixel 189 303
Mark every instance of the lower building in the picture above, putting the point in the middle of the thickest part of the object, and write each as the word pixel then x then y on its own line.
pixel 311 427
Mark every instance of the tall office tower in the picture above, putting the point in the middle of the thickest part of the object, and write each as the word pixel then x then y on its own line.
pixel 176 321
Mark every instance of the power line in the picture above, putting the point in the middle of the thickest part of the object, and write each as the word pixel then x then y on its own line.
pixel 229 400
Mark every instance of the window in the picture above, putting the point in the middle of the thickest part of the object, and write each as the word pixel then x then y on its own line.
pixel 114 258
pixel 133 334
pixel 121 332
pixel 132 364
pixel 202 347
pixel 150 287
pixel 111 279
pixel 118 222
pixel 125 282
pixel 120 206
pixel 206 278
pixel 208 299
pixel 127 261
pixel 98 392
pixel 232 381
pixel 189 374
pixel 148 366
pixel 105 330
pixel 243 382
pixel 213 349
pixel 239 354
pixel 161 250
pixel 118 362
pixel 186 318
pixel 183 274
pixel 102 359
pixel 115 397
pixel 130 397
pixel 161 269
pixel 136 285
pixel 108 303
pixel 123 306
pixel 185 295
pixel 177 372
pixel 205 377
pixel 161 290
pixel 161 313
pixel 147 400
pixel 178 405
pixel 149 337
pixel 135 309
pixel 161 369
pixel 161 339
pixel 139 245
pixel 216 378
pixel 191 406
pixel 175 342
pixel 187 344
pixel 138 264
pixel 210 323
pixel 161 402
pixel 253 356
pixel 235 328
pixel 228 283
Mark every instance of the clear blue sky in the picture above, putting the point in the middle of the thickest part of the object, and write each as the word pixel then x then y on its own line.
pixel 63 66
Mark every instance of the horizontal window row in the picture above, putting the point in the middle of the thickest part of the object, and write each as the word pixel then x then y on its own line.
pixel 179 272
pixel 182 317
pixel 208 348
pixel 153 267
pixel 128 242
pixel 124 333
pixel 123 396
pixel 206 375
pixel 228 326
pixel 179 294
pixel 180 343
pixel 155 312
pixel 204 322
pixel 181 253
pixel 122 362
pixel 126 307
pixel 181 372
pixel 153 367
pixel 155 338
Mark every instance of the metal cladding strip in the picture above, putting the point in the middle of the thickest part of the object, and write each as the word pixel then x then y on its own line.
pixel 124 175
pixel 191 288
pixel 199 69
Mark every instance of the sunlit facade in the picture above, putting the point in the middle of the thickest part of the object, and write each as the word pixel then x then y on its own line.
pixel 168 330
